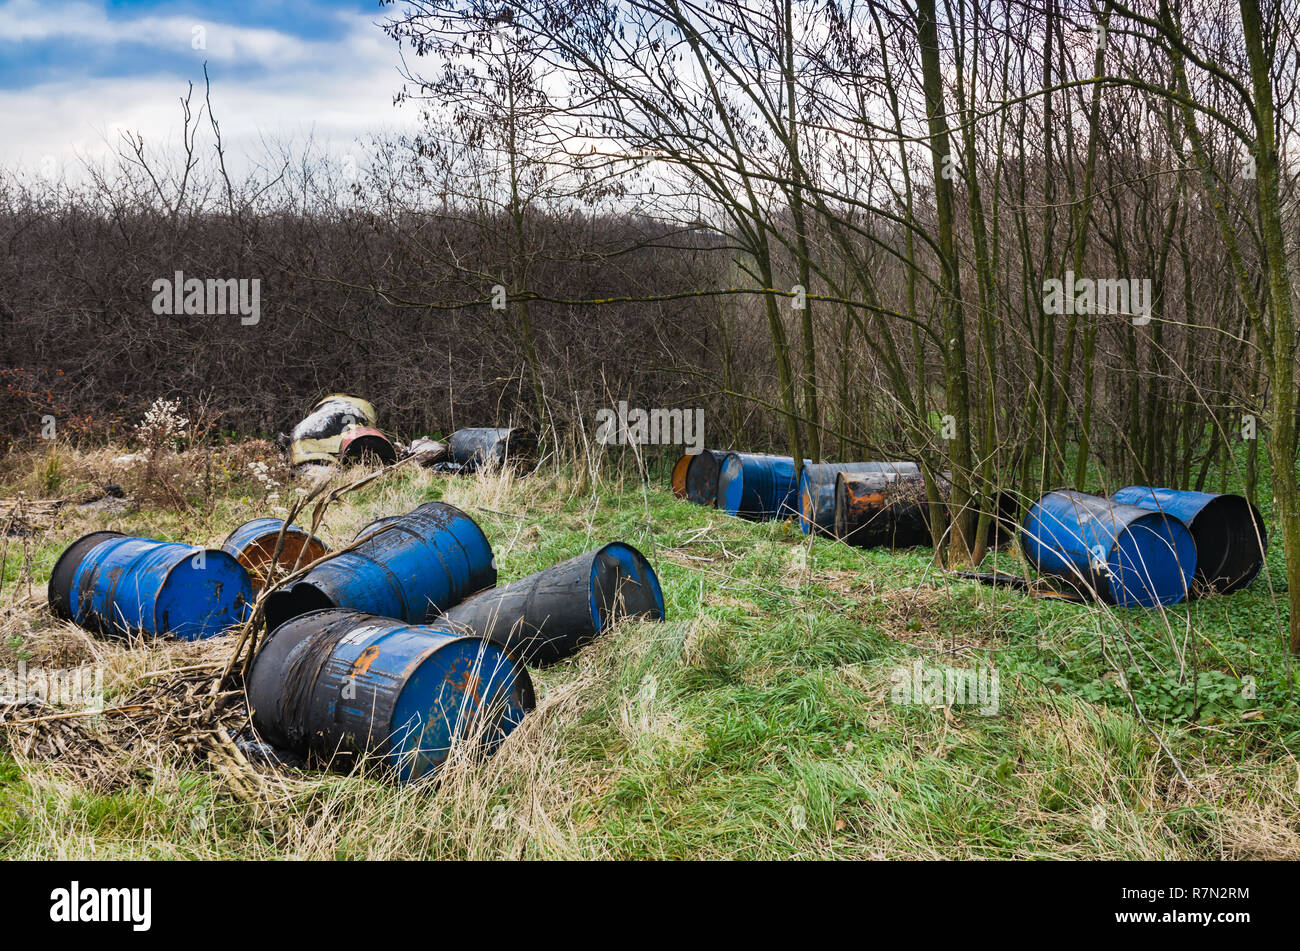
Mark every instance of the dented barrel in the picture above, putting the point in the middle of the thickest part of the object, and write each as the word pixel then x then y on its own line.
pixel 1230 535
pixel 487 447
pixel 546 617
pixel 757 486
pixel 409 567
pixel 117 584
pixel 884 509
pixel 816 496
pixel 1128 556
pixel 702 477
pixel 342 686
pixel 257 546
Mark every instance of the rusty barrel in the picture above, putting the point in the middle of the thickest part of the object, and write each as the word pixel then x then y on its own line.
pixel 257 546
pixel 487 447
pixel 366 444
pixel 1125 555
pixel 1230 535
pixel 548 616
pixel 342 686
pixel 117 584
pixel 411 567
pixel 816 497
pixel 678 478
pixel 883 509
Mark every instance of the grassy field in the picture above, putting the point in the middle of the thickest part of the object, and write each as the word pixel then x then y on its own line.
pixel 763 719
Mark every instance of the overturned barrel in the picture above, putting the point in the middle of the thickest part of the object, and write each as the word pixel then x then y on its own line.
pixel 816 496
pixel 547 616
pixel 884 509
pixel 702 477
pixel 487 447
pixel 257 546
pixel 410 567
pixel 757 487
pixel 1128 556
pixel 341 686
pixel 366 444
pixel 1230 535
pixel 117 584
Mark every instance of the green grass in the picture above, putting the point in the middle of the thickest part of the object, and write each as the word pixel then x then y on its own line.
pixel 761 720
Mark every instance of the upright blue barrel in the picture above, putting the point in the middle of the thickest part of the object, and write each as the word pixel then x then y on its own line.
pixel 816 495
pixel 1130 556
pixel 757 486
pixel 1229 532
pixel 342 686
pixel 117 584
pixel 411 567
pixel 548 616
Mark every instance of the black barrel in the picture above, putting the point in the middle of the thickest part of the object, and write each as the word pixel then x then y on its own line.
pixel 340 686
pixel 489 447
pixel 883 509
pixel 546 617
pixel 702 477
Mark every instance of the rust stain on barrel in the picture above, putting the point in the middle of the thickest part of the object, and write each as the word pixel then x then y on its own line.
pixel 362 663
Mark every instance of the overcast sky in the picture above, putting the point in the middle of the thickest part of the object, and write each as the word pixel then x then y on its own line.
pixel 73 75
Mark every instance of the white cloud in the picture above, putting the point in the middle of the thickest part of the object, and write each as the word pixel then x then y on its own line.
pixel 336 89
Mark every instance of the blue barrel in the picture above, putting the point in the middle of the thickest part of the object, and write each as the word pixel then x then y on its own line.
pixel 756 486
pixel 1229 532
pixel 117 584
pixel 411 567
pixel 1129 556
pixel 548 616
pixel 816 496
pixel 257 546
pixel 342 686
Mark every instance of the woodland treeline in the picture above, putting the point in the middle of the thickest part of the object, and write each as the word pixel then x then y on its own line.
pixel 831 223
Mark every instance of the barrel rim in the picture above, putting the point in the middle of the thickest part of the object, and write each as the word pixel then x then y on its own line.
pixel 716 457
pixel 1175 525
pixel 56 589
pixel 352 434
pixel 804 493
pixel 656 588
